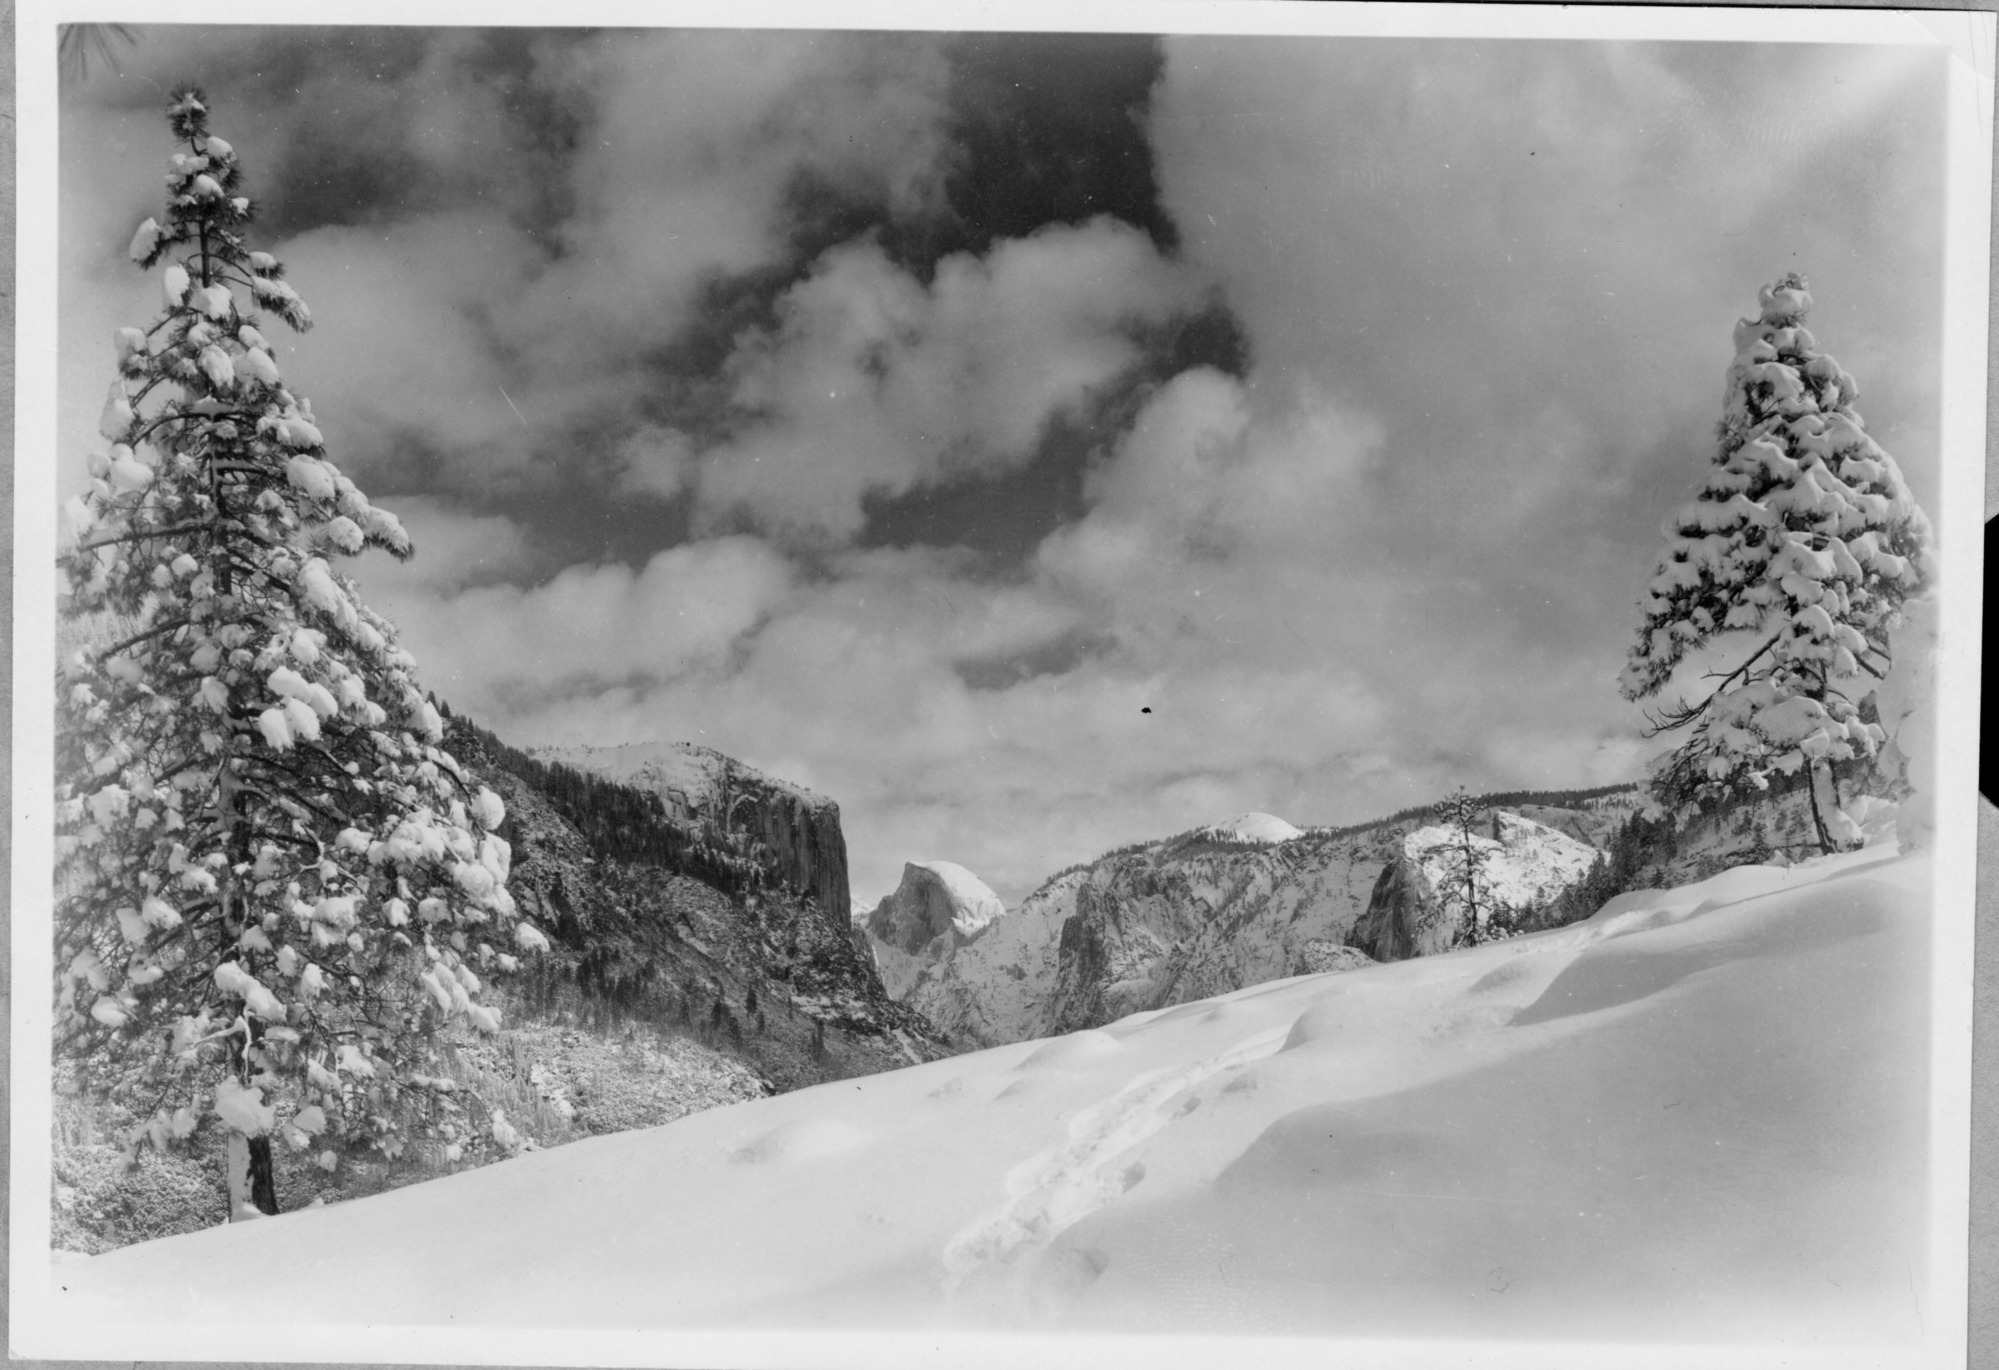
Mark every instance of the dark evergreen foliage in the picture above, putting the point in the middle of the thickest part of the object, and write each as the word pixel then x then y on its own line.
pixel 1500 799
pixel 623 822
pixel 1638 843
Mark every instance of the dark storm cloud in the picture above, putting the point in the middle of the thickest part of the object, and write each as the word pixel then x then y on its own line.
pixel 1053 131
pixel 363 125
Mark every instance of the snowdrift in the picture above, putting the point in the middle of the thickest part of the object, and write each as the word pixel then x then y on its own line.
pixel 1699 1117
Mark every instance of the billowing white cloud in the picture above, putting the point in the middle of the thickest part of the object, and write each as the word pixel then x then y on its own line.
pixel 1486 291
pixel 499 649
pixel 1516 267
pixel 694 141
pixel 1524 259
pixel 401 359
pixel 1193 676
pixel 452 326
pixel 874 383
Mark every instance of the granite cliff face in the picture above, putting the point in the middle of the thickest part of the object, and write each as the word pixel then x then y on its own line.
pixel 1403 918
pixel 938 907
pixel 798 830
pixel 693 890
pixel 1199 915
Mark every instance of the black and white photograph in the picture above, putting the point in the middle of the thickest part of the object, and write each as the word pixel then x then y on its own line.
pixel 996 685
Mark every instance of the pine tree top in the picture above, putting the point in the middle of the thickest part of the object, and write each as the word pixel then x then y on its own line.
pixel 1803 542
pixel 1801 516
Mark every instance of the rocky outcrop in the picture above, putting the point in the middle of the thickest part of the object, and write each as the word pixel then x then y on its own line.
pixel 1527 865
pixel 1325 957
pixel 1404 918
pixel 799 831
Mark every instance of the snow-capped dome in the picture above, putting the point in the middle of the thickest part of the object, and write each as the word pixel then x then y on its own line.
pixel 974 903
pixel 1252 827
pixel 935 897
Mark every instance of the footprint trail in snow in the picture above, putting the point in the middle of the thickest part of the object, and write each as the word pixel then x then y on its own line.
pixel 1002 1262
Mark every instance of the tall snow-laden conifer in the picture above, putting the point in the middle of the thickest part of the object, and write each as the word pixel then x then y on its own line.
pixel 1790 568
pixel 273 885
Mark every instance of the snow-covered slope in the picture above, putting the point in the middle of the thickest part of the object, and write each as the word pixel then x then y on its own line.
pixel 1530 863
pixel 1698 1116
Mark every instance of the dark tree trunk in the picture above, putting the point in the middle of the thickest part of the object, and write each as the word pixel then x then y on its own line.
pixel 263 1179
pixel 252 1182
pixel 1826 845
pixel 251 1177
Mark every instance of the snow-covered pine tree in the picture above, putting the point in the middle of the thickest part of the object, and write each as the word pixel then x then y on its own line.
pixel 1465 887
pixel 1789 569
pixel 273 885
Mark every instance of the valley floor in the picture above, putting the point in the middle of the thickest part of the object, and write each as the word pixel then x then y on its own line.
pixel 1700 1116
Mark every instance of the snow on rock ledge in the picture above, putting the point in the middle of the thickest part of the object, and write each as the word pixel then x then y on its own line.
pixel 1527 863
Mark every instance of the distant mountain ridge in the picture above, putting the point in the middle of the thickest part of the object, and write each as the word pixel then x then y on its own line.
pixel 1213 909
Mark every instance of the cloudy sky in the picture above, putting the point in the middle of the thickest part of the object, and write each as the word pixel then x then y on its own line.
pixel 1037 443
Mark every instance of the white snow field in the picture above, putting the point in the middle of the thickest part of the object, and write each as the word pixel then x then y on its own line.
pixel 1700 1117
